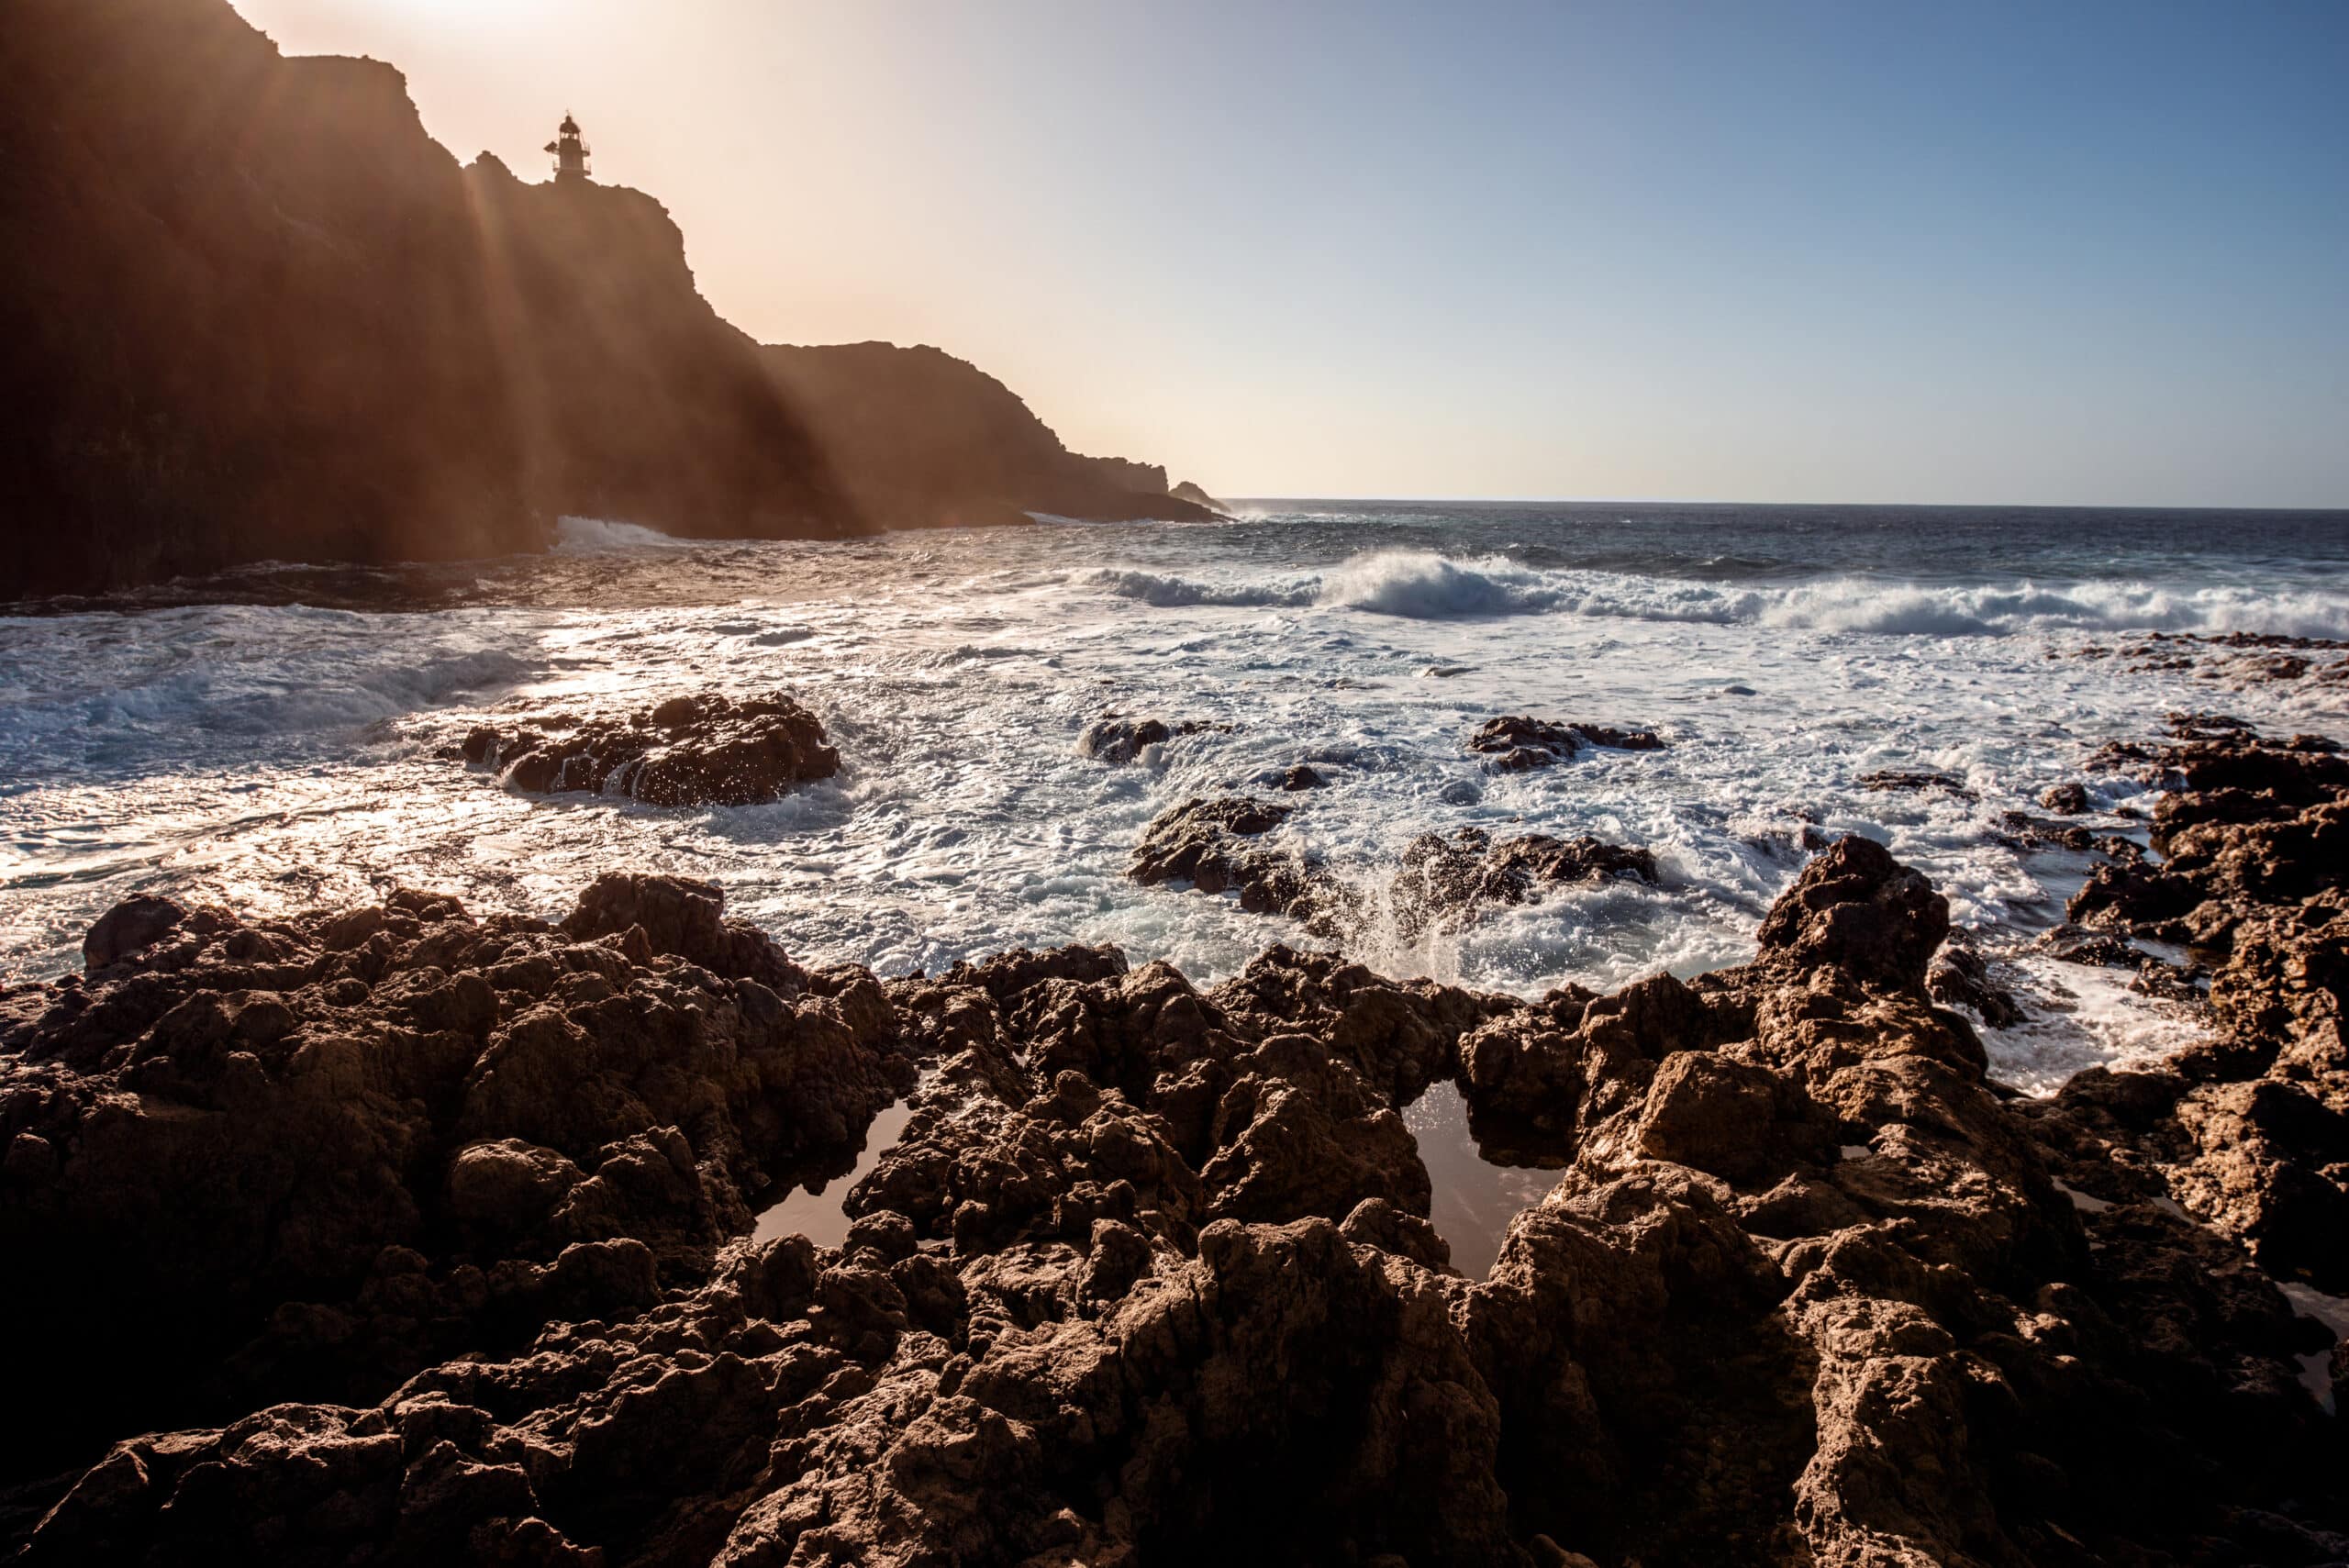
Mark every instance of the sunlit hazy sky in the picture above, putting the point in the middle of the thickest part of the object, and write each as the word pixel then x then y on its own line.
pixel 1873 250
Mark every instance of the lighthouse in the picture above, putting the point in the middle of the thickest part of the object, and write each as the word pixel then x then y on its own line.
pixel 570 153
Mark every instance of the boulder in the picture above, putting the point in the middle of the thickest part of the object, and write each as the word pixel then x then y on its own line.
pixel 1213 845
pixel 1449 880
pixel 1117 740
pixel 708 750
pixel 1518 744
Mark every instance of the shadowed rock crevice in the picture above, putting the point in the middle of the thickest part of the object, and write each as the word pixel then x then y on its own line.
pixel 343 1147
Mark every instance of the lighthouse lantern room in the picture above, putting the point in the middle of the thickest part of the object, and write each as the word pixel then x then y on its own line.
pixel 569 152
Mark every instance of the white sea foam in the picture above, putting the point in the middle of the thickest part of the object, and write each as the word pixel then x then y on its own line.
pixel 274 757
pixel 592 536
pixel 1168 592
pixel 1424 585
pixel 2079 1016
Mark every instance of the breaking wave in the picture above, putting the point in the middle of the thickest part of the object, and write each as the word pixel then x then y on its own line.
pixel 1169 592
pixel 590 535
pixel 1423 586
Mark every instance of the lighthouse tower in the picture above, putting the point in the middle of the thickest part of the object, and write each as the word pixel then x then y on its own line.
pixel 570 153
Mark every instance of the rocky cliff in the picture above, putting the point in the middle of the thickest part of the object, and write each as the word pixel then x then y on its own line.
pixel 244 308
pixel 251 310
pixel 921 439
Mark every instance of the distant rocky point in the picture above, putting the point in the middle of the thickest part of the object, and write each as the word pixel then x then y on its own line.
pixel 1186 491
pixel 919 438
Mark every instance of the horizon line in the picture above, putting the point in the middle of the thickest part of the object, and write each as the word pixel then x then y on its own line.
pixel 1693 501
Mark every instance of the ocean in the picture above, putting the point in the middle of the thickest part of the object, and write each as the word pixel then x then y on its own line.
pixel 273 738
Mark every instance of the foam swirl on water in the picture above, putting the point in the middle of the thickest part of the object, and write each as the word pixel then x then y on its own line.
pixel 275 755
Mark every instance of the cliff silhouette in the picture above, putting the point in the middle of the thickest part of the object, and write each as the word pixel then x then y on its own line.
pixel 251 310
pixel 921 439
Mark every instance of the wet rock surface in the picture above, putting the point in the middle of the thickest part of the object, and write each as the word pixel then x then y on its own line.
pixel 1519 744
pixel 1216 845
pixel 2251 871
pixel 706 750
pixel 2064 799
pixel 1148 1273
pixel 2235 658
pixel 1117 740
pixel 1449 879
pixel 1961 977
pixel 1921 782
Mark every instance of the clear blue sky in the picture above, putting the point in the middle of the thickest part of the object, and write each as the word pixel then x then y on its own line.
pixel 1889 251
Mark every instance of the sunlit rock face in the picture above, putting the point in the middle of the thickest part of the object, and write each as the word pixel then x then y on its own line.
pixel 1145 1269
pixel 703 750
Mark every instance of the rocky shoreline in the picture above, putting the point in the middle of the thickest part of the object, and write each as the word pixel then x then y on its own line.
pixel 405 1235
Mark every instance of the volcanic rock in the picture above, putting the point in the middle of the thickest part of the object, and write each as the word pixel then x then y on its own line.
pixel 1211 845
pixel 706 749
pixel 344 1146
pixel 1960 977
pixel 2256 1139
pixel 1449 880
pixel 1917 781
pixel 1149 1271
pixel 1517 744
pixel 1117 740
pixel 2064 799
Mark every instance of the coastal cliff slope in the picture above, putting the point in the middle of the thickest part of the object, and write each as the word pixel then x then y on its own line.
pixel 253 311
pixel 921 439
pixel 244 308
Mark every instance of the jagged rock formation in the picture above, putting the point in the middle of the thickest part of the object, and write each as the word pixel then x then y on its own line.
pixel 920 438
pixel 253 311
pixel 1115 739
pixel 2064 799
pixel 1448 880
pixel 1213 845
pixel 1961 977
pixel 706 749
pixel 1148 1271
pixel 2251 1133
pixel 1517 744
pixel 245 1162
pixel 1186 491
